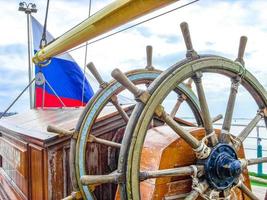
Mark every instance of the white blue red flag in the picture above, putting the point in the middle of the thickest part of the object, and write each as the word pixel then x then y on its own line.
pixel 64 80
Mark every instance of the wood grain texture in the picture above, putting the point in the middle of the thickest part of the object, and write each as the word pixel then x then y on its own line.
pixel 42 170
pixel 164 149
pixel 37 172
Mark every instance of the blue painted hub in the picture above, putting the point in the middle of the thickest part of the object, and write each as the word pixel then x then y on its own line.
pixel 222 167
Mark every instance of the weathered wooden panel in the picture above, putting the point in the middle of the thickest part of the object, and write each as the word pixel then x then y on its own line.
pixel 37 174
pixel 9 191
pixel 15 162
pixel 28 150
pixel 15 155
pixel 43 170
pixel 58 171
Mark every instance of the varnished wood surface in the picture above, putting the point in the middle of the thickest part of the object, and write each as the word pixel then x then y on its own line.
pixel 32 125
pixel 164 149
pixel 43 170
pixel 35 164
pixel 8 190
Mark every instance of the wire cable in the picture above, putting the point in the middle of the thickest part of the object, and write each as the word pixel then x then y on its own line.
pixel 16 99
pixel 132 26
pixel 43 41
pixel 85 55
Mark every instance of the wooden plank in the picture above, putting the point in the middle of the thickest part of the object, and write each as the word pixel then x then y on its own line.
pixel 9 191
pixel 31 126
pixel 15 155
pixel 37 172
pixel 56 174
pixel 36 137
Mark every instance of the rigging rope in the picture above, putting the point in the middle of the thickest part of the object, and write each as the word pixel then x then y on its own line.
pixel 16 99
pixel 132 26
pixel 119 31
pixel 43 41
pixel 85 54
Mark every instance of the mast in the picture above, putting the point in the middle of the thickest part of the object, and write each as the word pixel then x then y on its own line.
pixel 28 9
pixel 113 15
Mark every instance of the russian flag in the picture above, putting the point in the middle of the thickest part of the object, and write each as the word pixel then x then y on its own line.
pixel 64 84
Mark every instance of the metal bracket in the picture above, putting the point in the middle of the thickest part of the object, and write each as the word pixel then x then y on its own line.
pixel 143 97
pixel 75 135
pixel 235 83
pixel 197 77
pixel 159 111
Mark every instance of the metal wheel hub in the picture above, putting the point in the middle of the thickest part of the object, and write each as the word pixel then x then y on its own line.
pixel 222 167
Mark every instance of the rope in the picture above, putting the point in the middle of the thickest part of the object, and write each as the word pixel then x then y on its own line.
pixel 10 106
pixel 43 41
pixel 112 34
pixel 132 26
pixel 242 72
pixel 55 93
pixel 195 183
pixel 203 151
pixel 85 54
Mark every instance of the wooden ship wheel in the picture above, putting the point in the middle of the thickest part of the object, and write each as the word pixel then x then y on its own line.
pixel 94 154
pixel 135 151
pixel 176 162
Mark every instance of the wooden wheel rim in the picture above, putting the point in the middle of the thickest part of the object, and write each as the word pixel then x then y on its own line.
pixel 159 89
pixel 97 103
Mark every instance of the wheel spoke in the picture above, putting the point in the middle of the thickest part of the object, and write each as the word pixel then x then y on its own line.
pixel 255 161
pixel 180 171
pixel 181 99
pixel 60 131
pixel 200 148
pixel 103 141
pixel 116 177
pixel 191 53
pixel 103 84
pixel 241 50
pixel 201 188
pixel 122 78
pixel 115 102
pixel 149 51
pixel 101 179
pixel 177 105
pixel 229 110
pixel 191 140
pixel 96 74
pixel 204 108
pixel 257 179
pixel 74 195
pixel 192 195
pixel 217 118
pixel 247 130
pixel 245 189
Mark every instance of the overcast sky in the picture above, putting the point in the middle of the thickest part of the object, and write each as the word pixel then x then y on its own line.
pixel 215 26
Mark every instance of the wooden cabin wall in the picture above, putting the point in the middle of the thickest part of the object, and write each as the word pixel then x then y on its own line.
pixel 34 165
pixel 31 171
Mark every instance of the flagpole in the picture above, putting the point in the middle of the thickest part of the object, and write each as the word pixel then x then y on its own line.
pixel 28 9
